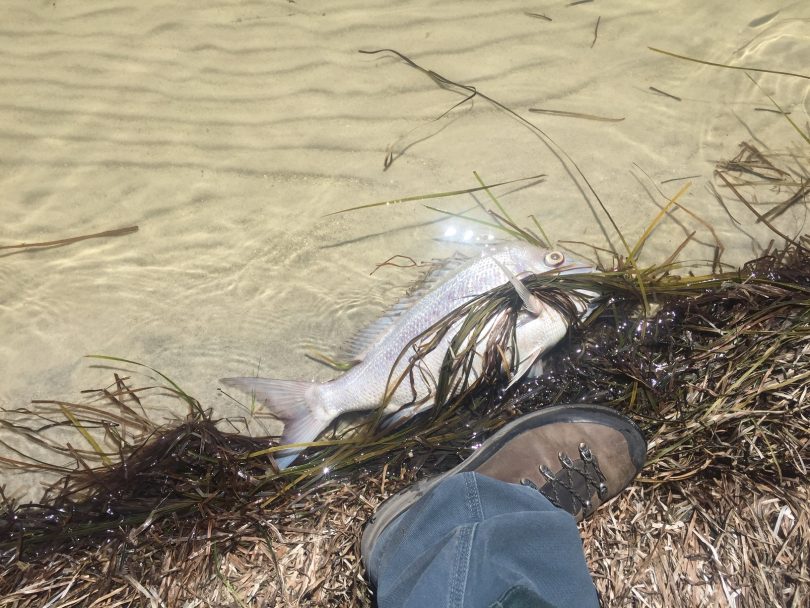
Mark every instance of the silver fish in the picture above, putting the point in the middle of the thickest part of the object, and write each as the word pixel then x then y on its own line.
pixel 307 408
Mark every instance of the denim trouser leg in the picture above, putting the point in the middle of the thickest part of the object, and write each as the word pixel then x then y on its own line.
pixel 471 539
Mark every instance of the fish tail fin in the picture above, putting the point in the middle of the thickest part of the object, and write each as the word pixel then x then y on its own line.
pixel 293 402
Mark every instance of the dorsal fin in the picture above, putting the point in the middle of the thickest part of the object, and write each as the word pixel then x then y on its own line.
pixel 356 347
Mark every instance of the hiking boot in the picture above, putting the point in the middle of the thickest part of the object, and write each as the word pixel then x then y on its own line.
pixel 577 456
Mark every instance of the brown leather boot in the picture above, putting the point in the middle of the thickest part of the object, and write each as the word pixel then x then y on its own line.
pixel 577 456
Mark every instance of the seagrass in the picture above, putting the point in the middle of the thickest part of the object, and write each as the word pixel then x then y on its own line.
pixel 714 368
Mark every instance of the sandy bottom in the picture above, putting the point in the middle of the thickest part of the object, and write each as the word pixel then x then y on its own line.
pixel 228 133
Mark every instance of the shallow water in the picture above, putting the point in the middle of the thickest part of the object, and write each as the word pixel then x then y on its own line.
pixel 228 132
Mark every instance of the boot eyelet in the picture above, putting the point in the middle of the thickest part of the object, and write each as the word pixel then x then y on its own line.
pixel 529 484
pixel 585 452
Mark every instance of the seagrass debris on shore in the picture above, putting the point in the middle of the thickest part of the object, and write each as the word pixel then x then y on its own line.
pixel 189 514
pixel 718 381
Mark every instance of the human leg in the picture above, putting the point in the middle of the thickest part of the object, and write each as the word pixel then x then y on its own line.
pixel 490 526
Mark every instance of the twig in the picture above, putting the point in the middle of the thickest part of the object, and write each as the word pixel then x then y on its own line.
pixel 726 66
pixel 575 115
pixel 74 239
pixel 670 95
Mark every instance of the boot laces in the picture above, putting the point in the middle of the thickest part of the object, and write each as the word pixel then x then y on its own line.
pixel 574 483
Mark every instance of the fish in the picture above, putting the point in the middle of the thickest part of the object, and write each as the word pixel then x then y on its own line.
pixel 308 408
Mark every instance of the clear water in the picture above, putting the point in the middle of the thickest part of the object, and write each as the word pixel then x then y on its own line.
pixel 228 132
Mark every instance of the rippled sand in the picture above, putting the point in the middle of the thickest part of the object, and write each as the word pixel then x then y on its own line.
pixel 228 132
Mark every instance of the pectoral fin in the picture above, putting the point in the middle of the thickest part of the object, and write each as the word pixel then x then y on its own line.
pixel 532 303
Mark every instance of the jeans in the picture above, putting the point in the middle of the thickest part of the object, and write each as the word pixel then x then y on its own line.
pixel 474 542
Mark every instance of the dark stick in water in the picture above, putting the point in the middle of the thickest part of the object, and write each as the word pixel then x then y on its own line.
pixel 73 239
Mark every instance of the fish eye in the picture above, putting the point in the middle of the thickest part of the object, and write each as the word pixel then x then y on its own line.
pixel 554 258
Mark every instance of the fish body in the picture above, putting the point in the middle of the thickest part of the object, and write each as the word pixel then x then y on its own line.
pixel 308 408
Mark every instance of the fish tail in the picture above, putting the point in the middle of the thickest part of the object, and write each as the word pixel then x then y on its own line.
pixel 294 403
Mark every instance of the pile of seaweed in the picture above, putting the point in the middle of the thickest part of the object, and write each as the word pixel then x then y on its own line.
pixel 718 382
pixel 714 368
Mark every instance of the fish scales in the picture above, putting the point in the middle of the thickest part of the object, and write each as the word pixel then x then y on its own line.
pixel 308 408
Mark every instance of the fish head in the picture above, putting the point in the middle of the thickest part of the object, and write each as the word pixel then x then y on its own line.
pixel 540 327
pixel 532 260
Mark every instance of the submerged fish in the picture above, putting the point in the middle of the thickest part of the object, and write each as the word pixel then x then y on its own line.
pixel 307 408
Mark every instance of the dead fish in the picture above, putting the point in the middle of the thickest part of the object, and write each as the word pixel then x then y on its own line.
pixel 307 408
